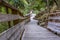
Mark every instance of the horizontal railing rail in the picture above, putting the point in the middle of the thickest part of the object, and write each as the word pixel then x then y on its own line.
pixel 9 17
pixel 15 32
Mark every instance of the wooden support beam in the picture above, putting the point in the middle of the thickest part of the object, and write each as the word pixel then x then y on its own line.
pixel 9 17
pixel 15 21
pixel 48 11
pixel 0 1
pixel 0 8
pixel 9 23
pixel 0 5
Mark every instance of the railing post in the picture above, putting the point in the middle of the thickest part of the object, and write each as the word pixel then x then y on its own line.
pixel 48 7
pixel 0 8
pixel 0 5
pixel 9 23
pixel 48 11
pixel 0 1
pixel 15 21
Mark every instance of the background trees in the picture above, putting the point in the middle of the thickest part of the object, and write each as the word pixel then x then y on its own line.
pixel 25 6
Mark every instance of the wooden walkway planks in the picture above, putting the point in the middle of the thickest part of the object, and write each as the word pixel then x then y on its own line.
pixel 35 32
pixel 14 33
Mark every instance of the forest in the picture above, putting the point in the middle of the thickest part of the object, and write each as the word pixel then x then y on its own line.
pixel 39 7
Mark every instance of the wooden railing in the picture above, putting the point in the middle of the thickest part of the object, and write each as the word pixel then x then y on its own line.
pixel 13 10
pixel 42 18
pixel 54 22
pixel 15 32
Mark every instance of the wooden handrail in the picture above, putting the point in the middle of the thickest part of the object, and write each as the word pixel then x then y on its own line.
pixel 14 11
pixel 10 6
pixel 9 17
pixel 15 32
pixel 0 1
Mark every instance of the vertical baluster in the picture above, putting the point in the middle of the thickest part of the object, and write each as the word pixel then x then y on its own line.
pixel 15 21
pixel 20 14
pixel 0 5
pixel 8 21
pixel 0 8
pixel 0 1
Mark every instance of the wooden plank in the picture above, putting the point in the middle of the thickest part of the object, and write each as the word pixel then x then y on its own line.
pixel 13 33
pixel 15 21
pixel 54 23
pixel 54 20
pixel 55 17
pixel 54 27
pixel 54 14
pixel 9 22
pixel 9 17
pixel 0 1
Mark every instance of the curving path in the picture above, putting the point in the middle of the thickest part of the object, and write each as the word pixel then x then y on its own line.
pixel 35 32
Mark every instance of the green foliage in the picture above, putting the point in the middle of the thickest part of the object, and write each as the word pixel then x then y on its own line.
pixel 27 5
pixel 37 4
pixel 3 27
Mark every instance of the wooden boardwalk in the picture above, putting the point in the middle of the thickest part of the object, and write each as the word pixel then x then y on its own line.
pixel 35 32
